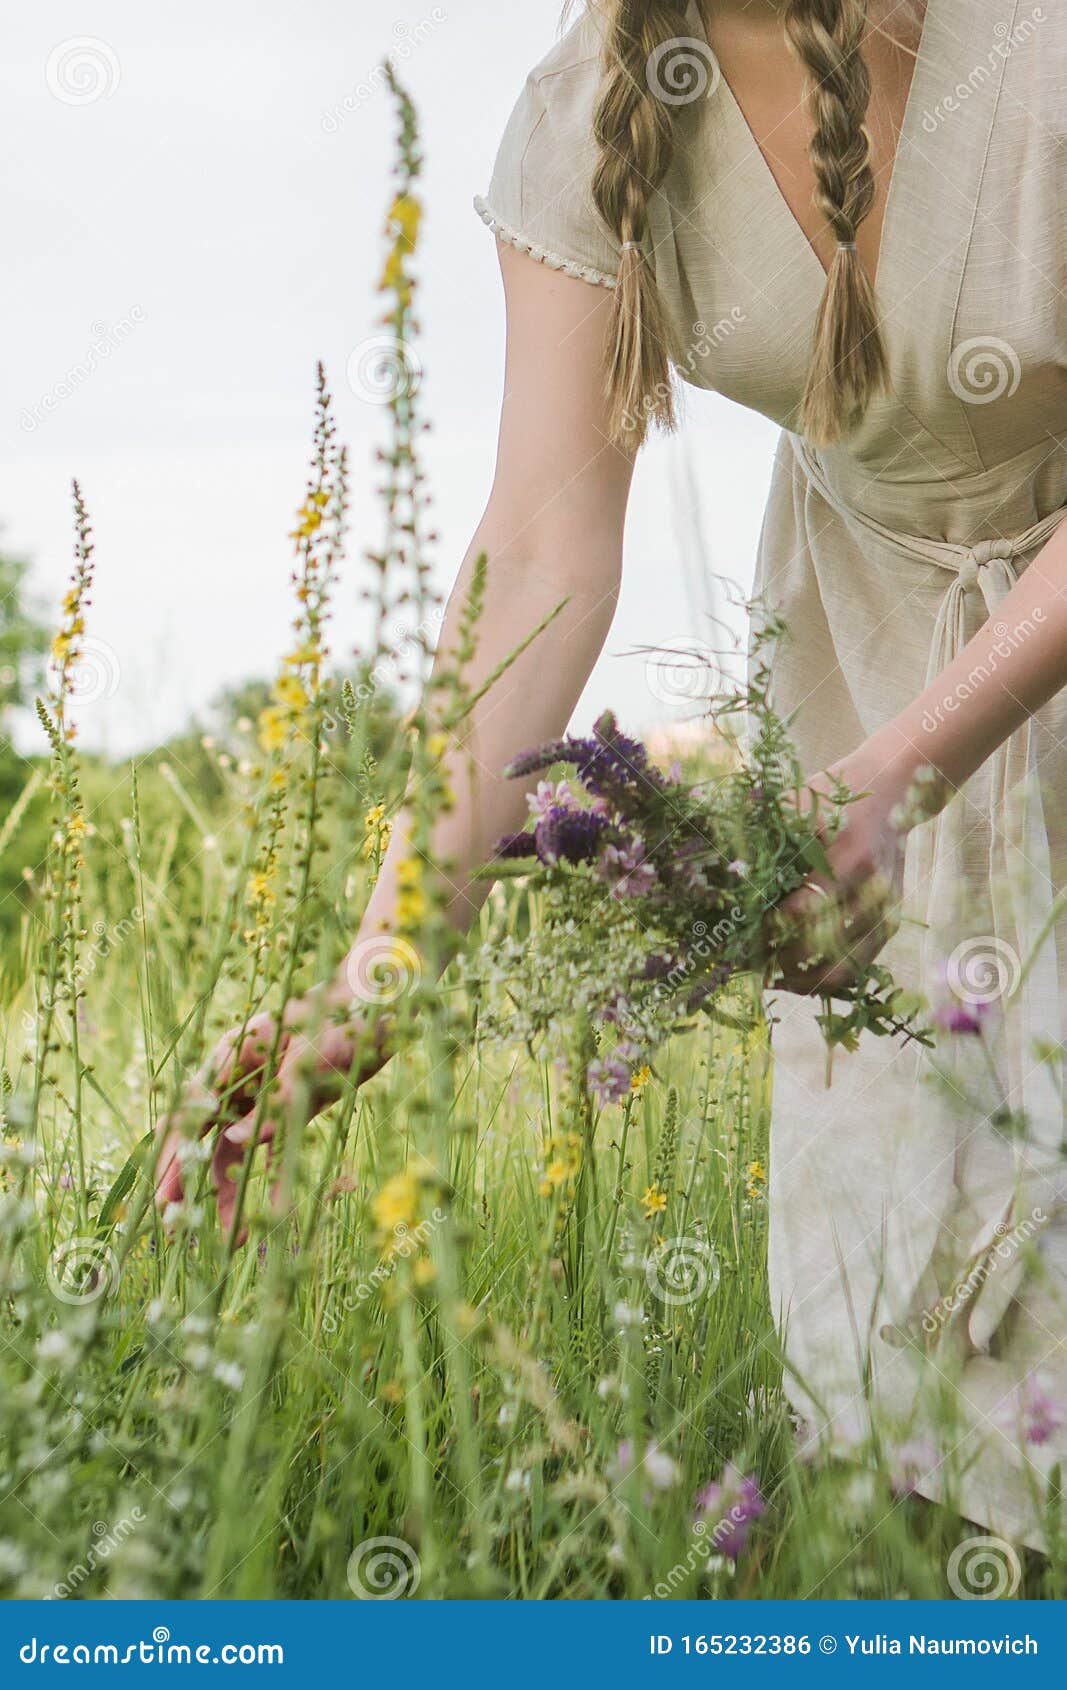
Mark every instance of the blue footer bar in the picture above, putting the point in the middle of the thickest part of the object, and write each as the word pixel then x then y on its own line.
pixel 535 1643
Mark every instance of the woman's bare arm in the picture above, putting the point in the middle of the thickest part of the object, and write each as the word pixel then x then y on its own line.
pixel 552 531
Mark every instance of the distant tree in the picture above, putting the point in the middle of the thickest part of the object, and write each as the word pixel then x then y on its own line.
pixel 23 639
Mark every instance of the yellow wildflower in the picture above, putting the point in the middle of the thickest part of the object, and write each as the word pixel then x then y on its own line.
pixel 396 1205
pixel 640 1079
pixel 306 653
pixel 424 1271
pixel 260 890
pixel 273 728
pixel 405 215
pixel 655 1201
pixel 309 517
pixel 290 692
pixel 756 1178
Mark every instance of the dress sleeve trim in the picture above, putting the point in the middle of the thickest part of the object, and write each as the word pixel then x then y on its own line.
pixel 504 232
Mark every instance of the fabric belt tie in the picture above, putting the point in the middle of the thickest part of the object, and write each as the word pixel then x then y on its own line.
pixel 1021 953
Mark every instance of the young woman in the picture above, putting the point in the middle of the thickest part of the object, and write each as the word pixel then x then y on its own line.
pixel 850 217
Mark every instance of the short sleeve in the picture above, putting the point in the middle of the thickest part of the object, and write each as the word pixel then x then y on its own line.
pixel 540 197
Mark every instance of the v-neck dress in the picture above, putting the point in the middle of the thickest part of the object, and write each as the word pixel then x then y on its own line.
pixel 918 1241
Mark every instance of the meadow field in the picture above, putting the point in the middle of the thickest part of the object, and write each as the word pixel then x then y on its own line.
pixel 489 1336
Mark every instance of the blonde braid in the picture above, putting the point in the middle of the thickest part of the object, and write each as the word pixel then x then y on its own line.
pixel 634 129
pixel 848 365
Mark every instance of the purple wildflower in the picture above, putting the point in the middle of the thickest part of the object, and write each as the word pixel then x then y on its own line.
pixel 960 1015
pixel 732 1503
pixel 66 1180
pixel 959 1011
pixel 1033 1413
pixel 608 1079
pixel 516 845
pixel 610 760
pixel 573 835
pixel 547 795
pixel 626 870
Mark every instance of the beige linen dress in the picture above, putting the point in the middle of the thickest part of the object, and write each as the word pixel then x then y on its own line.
pixel 918 1256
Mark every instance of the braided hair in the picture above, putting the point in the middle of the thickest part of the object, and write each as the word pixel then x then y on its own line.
pixel 635 131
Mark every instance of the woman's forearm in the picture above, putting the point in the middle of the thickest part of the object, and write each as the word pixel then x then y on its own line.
pixel 1014 664
pixel 531 702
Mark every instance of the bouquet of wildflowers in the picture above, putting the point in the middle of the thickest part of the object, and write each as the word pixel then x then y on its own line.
pixel 657 897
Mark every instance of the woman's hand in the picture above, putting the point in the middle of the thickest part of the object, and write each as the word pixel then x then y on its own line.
pixel 837 924
pixel 318 1047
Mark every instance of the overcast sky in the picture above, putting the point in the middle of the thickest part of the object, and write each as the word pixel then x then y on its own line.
pixel 192 207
